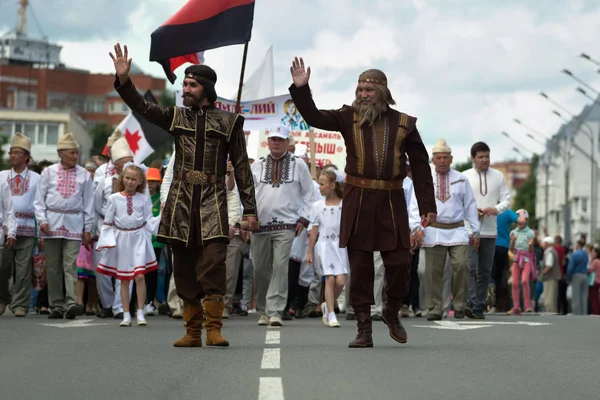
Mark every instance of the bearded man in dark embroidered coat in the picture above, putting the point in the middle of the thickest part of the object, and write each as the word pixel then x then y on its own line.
pixel 374 217
pixel 194 218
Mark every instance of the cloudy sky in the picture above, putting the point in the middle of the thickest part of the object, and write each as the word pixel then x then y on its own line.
pixel 465 68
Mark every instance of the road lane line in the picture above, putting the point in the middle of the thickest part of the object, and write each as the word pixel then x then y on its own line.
pixel 270 388
pixel 270 359
pixel 273 337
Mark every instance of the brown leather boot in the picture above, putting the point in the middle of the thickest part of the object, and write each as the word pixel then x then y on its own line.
pixel 193 319
pixel 391 319
pixel 213 307
pixel 365 328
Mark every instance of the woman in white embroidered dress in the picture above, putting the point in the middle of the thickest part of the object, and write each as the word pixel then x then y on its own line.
pixel 325 220
pixel 125 238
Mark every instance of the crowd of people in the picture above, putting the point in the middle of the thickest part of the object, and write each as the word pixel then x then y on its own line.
pixel 209 233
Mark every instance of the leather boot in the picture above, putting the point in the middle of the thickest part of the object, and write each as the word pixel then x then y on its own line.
pixel 213 307
pixel 365 328
pixel 391 319
pixel 193 319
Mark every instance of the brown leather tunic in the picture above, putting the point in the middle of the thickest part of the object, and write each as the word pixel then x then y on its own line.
pixel 196 213
pixel 374 219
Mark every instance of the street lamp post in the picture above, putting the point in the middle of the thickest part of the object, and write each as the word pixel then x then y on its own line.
pixel 590 59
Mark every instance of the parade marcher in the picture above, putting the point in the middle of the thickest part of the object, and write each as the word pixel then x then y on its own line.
pixel 524 263
pixel 64 209
pixel 107 169
pixel 127 252
pixel 17 186
pixel 374 216
pixel 153 177
pixel 493 198
pixel 325 221
pixel 194 217
pixel 110 295
pixel 284 194
pixel 448 236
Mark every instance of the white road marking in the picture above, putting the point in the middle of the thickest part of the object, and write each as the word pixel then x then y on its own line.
pixel 80 323
pixel 270 359
pixel 467 325
pixel 270 388
pixel 273 337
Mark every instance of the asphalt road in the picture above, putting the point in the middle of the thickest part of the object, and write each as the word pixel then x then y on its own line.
pixel 534 357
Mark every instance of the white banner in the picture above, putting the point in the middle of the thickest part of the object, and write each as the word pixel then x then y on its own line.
pixel 280 110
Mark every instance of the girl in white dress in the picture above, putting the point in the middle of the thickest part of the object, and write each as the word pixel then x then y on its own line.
pixel 125 238
pixel 325 221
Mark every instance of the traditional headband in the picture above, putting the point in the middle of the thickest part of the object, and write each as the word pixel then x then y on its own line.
pixel 132 164
pixel 199 78
pixel 375 81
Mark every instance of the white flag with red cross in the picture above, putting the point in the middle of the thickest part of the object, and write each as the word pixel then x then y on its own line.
pixel 132 131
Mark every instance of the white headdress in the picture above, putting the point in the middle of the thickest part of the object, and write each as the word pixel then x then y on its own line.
pixel 340 176
pixel 140 166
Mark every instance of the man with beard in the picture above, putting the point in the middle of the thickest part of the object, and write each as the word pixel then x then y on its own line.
pixel 374 215
pixel 194 219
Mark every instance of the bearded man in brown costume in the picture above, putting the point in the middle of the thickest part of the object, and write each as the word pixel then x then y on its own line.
pixel 374 218
pixel 194 219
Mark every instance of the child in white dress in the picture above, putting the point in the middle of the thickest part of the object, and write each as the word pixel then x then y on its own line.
pixel 125 238
pixel 325 221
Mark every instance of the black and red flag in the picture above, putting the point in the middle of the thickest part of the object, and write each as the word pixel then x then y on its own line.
pixel 198 26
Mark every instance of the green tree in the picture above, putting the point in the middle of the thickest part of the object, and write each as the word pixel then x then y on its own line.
pixel 167 98
pixel 100 133
pixel 3 159
pixel 526 194
pixel 463 166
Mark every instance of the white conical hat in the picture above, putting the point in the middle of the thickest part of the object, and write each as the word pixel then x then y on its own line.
pixel 67 142
pixel 21 141
pixel 120 149
pixel 113 138
pixel 441 147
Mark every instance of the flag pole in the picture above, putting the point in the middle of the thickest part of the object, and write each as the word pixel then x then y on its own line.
pixel 313 156
pixel 238 108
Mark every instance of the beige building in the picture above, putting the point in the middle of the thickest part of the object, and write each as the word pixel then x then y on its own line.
pixel 43 128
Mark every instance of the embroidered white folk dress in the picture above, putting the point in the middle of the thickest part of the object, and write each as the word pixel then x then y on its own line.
pixel 332 259
pixel 64 200
pixel 125 239
pixel 455 203
pixel 22 190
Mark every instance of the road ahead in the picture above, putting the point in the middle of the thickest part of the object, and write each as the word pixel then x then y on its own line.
pixel 542 357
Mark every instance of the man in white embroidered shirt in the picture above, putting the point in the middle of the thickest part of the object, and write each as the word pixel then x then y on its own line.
pixel 448 236
pixel 64 209
pixel 284 191
pixel 493 198
pixel 23 184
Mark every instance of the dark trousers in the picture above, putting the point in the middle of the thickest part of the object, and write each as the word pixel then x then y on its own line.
pixel 293 286
pixel 151 279
pixel 397 276
pixel 498 268
pixel 412 298
pixel 563 303
pixel 199 271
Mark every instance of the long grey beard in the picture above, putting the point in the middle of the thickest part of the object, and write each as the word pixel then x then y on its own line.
pixel 368 113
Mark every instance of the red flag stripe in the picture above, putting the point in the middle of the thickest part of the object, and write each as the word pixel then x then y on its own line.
pixel 199 10
pixel 177 62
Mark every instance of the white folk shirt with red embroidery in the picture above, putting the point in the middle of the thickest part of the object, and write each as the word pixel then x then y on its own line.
pixel 455 202
pixel 284 192
pixel 22 189
pixel 104 171
pixel 490 190
pixel 7 213
pixel 65 200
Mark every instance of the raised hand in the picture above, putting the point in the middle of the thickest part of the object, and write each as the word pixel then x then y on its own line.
pixel 122 63
pixel 300 75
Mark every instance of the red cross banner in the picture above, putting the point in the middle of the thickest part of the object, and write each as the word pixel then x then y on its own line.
pixel 132 131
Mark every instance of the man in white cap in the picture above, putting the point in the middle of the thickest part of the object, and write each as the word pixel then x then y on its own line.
pixel 284 194
pixel 18 252
pixel 448 236
pixel 107 169
pixel 64 209
pixel 550 275
pixel 111 299
pixel 493 198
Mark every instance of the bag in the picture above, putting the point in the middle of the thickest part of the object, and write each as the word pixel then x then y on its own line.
pixel 38 276
pixel 592 279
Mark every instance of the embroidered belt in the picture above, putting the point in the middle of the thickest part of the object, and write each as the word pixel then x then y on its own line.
pixel 64 211
pixel 452 225
pixel 197 177
pixel 24 215
pixel 125 229
pixel 378 184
